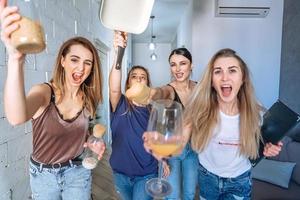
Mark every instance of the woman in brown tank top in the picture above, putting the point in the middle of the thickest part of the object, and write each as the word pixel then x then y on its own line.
pixel 60 112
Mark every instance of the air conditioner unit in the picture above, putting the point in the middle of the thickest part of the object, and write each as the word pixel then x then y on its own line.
pixel 242 8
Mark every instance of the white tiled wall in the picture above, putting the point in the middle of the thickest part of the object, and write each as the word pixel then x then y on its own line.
pixel 58 18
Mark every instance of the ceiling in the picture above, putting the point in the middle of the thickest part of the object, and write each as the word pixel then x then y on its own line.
pixel 167 17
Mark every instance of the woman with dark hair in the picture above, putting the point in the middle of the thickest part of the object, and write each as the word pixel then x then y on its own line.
pixel 59 111
pixel 132 165
pixel 184 167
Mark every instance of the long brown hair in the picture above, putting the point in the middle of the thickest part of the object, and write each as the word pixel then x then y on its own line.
pixel 203 109
pixel 91 88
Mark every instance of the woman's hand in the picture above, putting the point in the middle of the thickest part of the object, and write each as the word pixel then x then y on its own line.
pixel 98 148
pixel 271 150
pixel 166 169
pixel 120 39
pixel 9 17
pixel 153 93
pixel 148 136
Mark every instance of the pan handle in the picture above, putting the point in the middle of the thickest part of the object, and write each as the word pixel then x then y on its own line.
pixel 120 57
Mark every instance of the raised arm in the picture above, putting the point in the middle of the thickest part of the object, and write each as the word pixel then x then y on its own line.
pixel 18 107
pixel 115 76
pixel 164 92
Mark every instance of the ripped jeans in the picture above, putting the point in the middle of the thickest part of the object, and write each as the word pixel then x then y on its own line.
pixel 213 187
pixel 65 183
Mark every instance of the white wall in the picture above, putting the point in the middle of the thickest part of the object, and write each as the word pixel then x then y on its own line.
pixel 159 69
pixel 58 19
pixel 256 40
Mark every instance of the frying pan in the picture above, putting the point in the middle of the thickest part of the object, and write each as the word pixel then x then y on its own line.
pixel 130 16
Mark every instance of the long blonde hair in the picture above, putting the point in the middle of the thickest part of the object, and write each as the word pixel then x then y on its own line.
pixel 202 110
pixel 91 88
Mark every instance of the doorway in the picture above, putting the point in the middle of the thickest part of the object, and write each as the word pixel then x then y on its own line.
pixel 103 113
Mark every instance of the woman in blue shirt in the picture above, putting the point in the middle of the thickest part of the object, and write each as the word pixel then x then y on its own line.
pixel 132 165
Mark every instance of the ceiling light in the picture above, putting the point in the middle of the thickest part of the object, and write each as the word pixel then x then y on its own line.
pixel 153 56
pixel 152 44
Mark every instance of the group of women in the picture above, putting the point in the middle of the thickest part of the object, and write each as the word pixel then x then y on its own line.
pixel 220 136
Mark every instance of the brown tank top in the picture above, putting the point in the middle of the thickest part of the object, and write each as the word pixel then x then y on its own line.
pixel 56 140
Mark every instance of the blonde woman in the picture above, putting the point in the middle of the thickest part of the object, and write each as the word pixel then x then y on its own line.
pixel 225 129
pixel 223 119
pixel 59 111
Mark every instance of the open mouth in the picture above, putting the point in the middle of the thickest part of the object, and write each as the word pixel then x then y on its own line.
pixel 179 75
pixel 77 77
pixel 226 90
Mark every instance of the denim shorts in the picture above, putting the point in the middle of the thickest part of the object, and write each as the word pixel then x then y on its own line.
pixel 183 175
pixel 213 187
pixel 67 183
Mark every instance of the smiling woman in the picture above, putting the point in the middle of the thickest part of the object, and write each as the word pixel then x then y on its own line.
pixel 227 80
pixel 60 113
pixel 183 173
pixel 226 129
pixel 79 66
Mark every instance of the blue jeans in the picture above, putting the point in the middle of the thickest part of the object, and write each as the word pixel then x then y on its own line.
pixel 132 188
pixel 213 187
pixel 183 175
pixel 67 183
